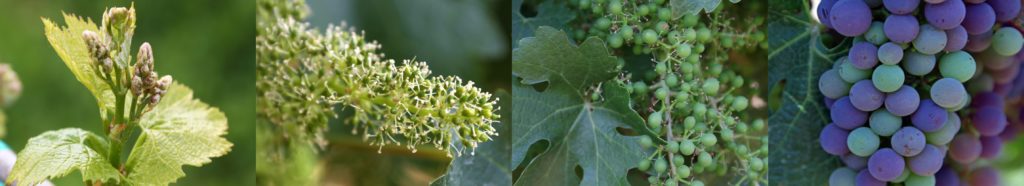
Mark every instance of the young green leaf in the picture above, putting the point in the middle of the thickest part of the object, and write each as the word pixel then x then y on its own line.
pixel 179 131
pixel 57 153
pixel 69 45
pixel 580 133
pixel 549 13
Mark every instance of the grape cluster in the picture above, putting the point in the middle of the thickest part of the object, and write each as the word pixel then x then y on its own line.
pixel 691 99
pixel 902 97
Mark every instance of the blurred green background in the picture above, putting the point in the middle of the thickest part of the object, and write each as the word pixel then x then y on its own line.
pixel 465 38
pixel 207 45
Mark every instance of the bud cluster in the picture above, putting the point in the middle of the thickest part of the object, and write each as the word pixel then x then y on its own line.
pixel 303 73
pixel 144 81
pixel 10 85
pixel 99 50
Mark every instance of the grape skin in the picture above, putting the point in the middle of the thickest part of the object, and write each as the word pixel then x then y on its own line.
pixel 832 85
pixel 988 120
pixel 886 165
pixel 852 74
pixel 865 97
pixel 948 92
pixel 850 17
pixel 946 133
pixel 947 177
pixel 842 177
pixel 958 65
pixel 845 116
pixel 876 33
pixel 978 42
pixel 833 140
pixel 956 39
pixel 890 53
pixel 903 102
pixel 865 179
pixel 929 116
pixel 930 40
pixel 862 142
pixel 901 28
pixel 884 123
pixel 1005 10
pixel 918 64
pixel 965 148
pixel 863 55
pixel 915 180
pixel 979 18
pixel 945 15
pixel 888 78
pixel 901 7
pixel 1007 41
pixel 854 162
pixel 991 146
pixel 928 162
pixel 985 176
pixel 908 141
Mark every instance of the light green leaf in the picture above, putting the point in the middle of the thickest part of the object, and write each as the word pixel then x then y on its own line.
pixel 57 153
pixel 179 131
pixel 798 57
pixel 69 45
pixel 580 133
pixel 549 13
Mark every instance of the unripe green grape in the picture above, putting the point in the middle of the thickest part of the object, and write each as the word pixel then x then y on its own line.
pixel 727 134
pixel 597 9
pixel 595 97
pixel 696 183
pixel 661 93
pixel 700 109
pixel 654 119
pixel 689 122
pixel 658 2
pixel 704 159
pixel 672 147
pixel 665 14
pixel 661 68
pixel 686 68
pixel 737 81
pixel 740 103
pixel 646 142
pixel 715 69
pixel 642 11
pixel 708 140
pixel 650 36
pixel 756 164
pixel 603 23
pixel 671 183
pixel 683 50
pixel 671 80
pixel 675 36
pixel 644 165
pixel 683 171
pixel 699 48
pixel 615 7
pixel 584 4
pixel 742 128
pixel 689 35
pixel 579 34
pixel 887 78
pixel 690 20
pixel 694 58
pixel 614 40
pixel 686 147
pixel 640 88
pixel 727 41
pixel 1007 41
pixel 660 165
pixel 710 86
pixel 703 35
pixel 662 27
pixel 626 32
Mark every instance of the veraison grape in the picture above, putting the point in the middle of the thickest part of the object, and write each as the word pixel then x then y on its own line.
pixel 944 71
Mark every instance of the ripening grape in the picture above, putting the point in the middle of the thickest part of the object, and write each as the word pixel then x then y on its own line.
pixel 832 85
pixel 979 18
pixel 946 133
pixel 958 65
pixel 846 116
pixel 890 53
pixel 842 176
pixel 918 64
pixel 903 101
pixel 990 146
pixel 908 141
pixel 850 17
pixel 930 40
pixel 865 178
pixel 916 180
pixel 989 120
pixel 862 142
pixel 886 165
pixel 929 117
pixel 965 148
pixel 863 55
pixel 956 39
pixel 876 33
pixel 945 15
pixel 888 78
pixel 865 97
pixel 884 123
pixel 833 140
pixel 901 28
pixel 1007 41
pixel 928 162
pixel 948 93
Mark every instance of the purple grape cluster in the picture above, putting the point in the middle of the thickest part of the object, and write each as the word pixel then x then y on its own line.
pixel 921 84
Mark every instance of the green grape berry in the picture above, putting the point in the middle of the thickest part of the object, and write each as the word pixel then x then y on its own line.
pixel 710 86
pixel 704 159
pixel 683 50
pixel 644 165
pixel 603 23
pixel 615 41
pixel 686 147
pixel 660 165
pixel 661 68
pixel 672 147
pixel 650 36
pixel 708 140
pixel 646 142
pixel 626 32
pixel 683 171
pixel 661 93
pixel 655 119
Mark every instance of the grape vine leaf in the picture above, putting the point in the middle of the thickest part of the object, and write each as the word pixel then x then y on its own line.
pixel 796 60
pixel 178 131
pixel 691 7
pixel 549 13
pixel 57 153
pixel 581 133
pixel 69 45
pixel 488 165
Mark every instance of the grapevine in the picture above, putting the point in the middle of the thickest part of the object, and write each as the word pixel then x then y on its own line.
pixel 921 96
pixel 174 129
pixel 697 124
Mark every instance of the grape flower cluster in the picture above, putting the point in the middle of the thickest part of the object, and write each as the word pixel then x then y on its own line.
pixel 692 101
pixel 302 74
pixel 919 97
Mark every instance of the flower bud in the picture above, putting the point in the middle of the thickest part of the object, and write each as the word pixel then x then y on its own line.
pixel 119 22
pixel 145 56
pixel 10 85
pixel 98 48
pixel 155 99
pixel 136 85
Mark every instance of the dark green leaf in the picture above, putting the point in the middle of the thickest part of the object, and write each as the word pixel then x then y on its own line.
pixel 796 60
pixel 581 133
pixel 549 13
pixel 690 7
